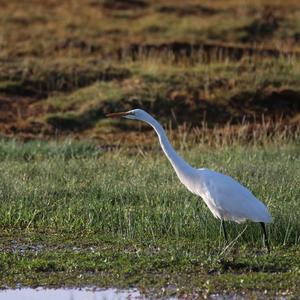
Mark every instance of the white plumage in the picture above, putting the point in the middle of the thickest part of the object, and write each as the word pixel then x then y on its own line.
pixel 226 198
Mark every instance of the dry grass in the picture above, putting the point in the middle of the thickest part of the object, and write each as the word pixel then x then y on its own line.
pixel 64 65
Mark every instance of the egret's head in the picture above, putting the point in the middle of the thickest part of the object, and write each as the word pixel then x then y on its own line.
pixel 135 114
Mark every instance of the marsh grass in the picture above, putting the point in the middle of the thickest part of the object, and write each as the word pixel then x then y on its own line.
pixel 74 214
pixel 77 187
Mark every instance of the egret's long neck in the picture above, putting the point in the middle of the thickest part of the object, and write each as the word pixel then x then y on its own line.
pixel 181 167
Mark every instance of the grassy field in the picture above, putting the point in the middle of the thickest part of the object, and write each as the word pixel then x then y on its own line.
pixel 222 77
pixel 74 214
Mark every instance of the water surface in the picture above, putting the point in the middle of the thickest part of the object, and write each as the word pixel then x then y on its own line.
pixel 109 294
pixel 69 294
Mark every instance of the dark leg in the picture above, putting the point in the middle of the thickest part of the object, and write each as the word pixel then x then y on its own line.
pixel 265 236
pixel 224 231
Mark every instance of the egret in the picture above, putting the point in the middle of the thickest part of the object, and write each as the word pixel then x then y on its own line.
pixel 226 198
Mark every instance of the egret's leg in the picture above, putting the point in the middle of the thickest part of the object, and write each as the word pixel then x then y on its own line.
pixel 224 231
pixel 265 236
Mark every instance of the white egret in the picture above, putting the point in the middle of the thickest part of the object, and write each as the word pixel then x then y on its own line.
pixel 226 198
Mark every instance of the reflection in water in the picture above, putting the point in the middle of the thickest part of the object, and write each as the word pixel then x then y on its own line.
pixel 69 294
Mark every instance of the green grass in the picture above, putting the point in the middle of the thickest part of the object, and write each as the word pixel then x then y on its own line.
pixel 139 196
pixel 86 216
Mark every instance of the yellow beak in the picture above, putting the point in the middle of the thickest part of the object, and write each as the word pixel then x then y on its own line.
pixel 117 115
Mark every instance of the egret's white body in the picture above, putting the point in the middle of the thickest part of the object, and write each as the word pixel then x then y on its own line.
pixel 226 198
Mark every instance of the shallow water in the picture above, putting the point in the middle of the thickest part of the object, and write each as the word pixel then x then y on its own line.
pixel 107 294
pixel 69 294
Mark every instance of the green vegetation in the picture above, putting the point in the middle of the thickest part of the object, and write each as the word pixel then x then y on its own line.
pixel 86 216
pixel 222 76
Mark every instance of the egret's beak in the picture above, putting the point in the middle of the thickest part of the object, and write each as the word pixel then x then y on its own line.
pixel 117 115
